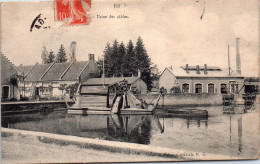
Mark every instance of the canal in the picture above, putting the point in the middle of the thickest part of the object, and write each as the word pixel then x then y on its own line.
pixel 234 134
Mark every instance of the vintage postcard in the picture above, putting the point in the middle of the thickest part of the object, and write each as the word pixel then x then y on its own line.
pixel 86 81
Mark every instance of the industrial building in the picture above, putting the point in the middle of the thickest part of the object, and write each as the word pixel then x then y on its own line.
pixel 203 79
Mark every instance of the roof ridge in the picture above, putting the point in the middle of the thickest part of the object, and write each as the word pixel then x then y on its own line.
pixel 47 70
pixel 31 69
pixel 67 69
pixel 83 69
pixel 10 62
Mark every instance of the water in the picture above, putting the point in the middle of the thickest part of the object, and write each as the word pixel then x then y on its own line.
pixel 235 135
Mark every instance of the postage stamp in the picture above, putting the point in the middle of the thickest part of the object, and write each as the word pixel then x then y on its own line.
pixel 73 12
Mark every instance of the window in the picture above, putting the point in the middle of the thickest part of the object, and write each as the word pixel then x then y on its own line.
pixel 223 88
pixel 185 88
pixel 210 88
pixel 198 88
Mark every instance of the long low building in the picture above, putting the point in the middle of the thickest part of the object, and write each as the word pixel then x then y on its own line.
pixel 50 80
pixel 201 79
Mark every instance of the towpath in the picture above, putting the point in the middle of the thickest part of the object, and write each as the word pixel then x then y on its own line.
pixel 25 150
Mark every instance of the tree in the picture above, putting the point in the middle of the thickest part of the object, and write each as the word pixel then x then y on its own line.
pixel 107 58
pixel 44 55
pixel 129 60
pixel 155 75
pixel 62 87
pixel 14 82
pixel 175 89
pixel 72 88
pixel 100 66
pixel 163 90
pixel 51 57
pixel 73 51
pixel 143 62
pixel 61 56
pixel 121 59
pixel 50 88
pixel 114 59
pixel 126 61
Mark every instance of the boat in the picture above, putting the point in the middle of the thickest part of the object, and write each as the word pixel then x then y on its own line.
pixel 113 99
pixel 187 112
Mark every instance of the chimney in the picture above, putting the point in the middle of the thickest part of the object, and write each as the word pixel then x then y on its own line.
pixel 198 69
pixel 238 62
pixel 205 69
pixel 91 57
pixel 187 68
pixel 139 73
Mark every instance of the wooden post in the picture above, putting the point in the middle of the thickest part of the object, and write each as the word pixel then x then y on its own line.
pixel 163 100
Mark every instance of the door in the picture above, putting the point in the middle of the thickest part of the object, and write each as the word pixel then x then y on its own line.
pixel 37 92
pixel 5 92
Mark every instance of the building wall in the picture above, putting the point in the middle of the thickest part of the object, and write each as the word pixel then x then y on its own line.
pixel 45 93
pixel 184 99
pixel 7 70
pixel 217 81
pixel 140 85
pixel 90 71
pixel 167 80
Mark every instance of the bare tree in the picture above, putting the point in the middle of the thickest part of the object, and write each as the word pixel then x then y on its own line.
pixel 44 55
pixel 72 51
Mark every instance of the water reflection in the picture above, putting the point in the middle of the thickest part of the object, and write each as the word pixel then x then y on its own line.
pixel 219 133
pixel 238 109
pixel 239 123
pixel 198 121
pixel 124 128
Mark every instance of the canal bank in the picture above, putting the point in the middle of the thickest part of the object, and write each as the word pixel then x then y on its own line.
pixel 25 146
pixel 18 107
pixel 184 99
pixel 17 150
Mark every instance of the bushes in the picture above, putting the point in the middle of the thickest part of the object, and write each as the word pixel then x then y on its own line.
pixel 175 89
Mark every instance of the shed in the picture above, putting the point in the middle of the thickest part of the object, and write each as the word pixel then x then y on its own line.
pixel 136 84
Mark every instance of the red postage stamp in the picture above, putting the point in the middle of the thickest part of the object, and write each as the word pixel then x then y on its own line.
pixel 73 12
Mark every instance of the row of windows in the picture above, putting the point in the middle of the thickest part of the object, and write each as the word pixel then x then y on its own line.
pixel 198 88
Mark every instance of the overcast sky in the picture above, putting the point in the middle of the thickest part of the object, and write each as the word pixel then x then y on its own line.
pixel 172 31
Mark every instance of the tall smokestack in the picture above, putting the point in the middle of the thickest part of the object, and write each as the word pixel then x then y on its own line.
pixel 238 62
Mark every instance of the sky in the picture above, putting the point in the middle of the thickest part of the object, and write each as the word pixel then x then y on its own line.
pixel 172 31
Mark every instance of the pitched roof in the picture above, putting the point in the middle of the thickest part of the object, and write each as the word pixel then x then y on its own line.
pixel 25 69
pixel 74 71
pixel 108 81
pixel 212 71
pixel 37 72
pixel 55 71
pixel 4 57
